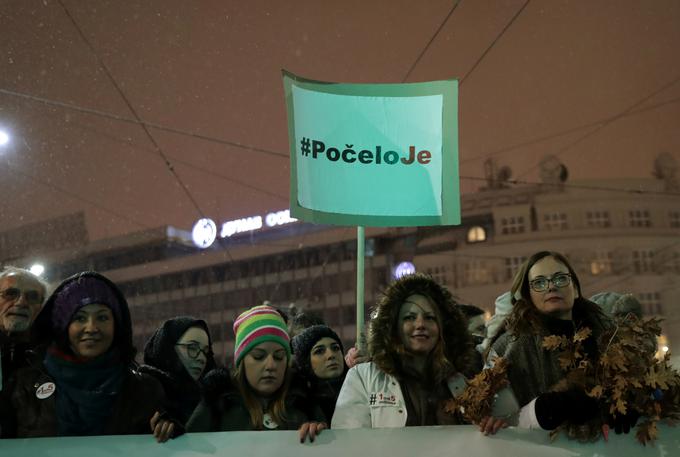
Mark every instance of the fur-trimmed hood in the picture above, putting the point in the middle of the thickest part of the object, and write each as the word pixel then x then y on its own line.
pixel 385 347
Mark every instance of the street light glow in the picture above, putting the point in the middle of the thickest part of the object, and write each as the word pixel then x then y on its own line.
pixel 37 269
pixel 4 138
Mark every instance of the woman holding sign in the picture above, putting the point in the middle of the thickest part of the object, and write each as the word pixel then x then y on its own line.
pixel 421 355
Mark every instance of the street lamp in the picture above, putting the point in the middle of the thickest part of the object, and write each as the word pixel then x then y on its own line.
pixel 4 138
pixel 37 269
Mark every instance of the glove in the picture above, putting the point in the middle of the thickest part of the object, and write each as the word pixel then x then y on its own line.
pixel 574 406
pixel 622 423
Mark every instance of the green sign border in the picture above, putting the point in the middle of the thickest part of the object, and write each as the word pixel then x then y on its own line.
pixel 450 177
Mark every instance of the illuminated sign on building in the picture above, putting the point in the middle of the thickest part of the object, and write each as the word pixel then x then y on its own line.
pixel 204 232
pixel 403 269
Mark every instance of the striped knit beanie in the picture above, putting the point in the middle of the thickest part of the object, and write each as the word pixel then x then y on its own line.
pixel 257 325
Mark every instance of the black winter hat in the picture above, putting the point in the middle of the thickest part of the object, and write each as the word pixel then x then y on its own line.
pixel 303 343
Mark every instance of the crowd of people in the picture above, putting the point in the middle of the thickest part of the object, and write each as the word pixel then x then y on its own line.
pixel 69 369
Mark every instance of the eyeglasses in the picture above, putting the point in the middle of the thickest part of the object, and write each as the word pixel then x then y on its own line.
pixel 542 283
pixel 194 349
pixel 32 297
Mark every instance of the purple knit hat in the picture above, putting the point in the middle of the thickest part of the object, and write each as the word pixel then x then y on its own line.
pixel 84 291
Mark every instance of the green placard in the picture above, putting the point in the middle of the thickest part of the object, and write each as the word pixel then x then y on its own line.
pixel 373 154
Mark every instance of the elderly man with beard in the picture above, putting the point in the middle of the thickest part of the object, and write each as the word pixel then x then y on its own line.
pixel 21 297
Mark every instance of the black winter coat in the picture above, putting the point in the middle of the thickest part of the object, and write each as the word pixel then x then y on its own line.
pixel 15 354
pixel 140 397
pixel 224 408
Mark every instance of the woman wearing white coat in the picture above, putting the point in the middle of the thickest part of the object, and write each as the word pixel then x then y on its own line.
pixel 421 353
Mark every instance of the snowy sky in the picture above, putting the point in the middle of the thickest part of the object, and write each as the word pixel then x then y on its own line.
pixel 596 83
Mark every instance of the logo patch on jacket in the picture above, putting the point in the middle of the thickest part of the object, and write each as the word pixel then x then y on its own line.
pixel 382 399
pixel 45 390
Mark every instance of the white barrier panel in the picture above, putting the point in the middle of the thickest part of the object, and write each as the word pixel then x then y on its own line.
pixel 407 442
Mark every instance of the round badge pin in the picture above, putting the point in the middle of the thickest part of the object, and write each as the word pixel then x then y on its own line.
pixel 45 390
pixel 269 422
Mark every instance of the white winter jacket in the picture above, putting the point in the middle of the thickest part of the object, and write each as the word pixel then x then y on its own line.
pixel 370 398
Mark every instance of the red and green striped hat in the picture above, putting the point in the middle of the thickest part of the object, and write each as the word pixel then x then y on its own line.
pixel 257 325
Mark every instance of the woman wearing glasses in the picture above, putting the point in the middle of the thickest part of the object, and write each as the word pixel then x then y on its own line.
pixel 86 384
pixel 547 300
pixel 179 354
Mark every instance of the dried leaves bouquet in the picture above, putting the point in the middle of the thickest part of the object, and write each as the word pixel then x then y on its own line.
pixel 626 379
pixel 476 401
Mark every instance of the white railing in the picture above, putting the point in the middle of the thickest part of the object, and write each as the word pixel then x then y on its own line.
pixel 452 441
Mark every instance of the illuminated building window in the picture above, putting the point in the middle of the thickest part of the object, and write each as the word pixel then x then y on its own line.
pixel 601 263
pixel 643 260
pixel 512 225
pixel 476 234
pixel 651 303
pixel 555 221
pixel 640 218
pixel 512 264
pixel 598 219
pixel 674 217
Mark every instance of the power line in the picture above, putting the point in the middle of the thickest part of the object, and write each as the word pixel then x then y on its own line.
pixel 210 139
pixel 565 132
pixel 76 196
pixel 427 46
pixel 608 122
pixel 493 43
pixel 579 186
pixel 142 123
pixel 185 163
pixel 124 97
pixel 150 137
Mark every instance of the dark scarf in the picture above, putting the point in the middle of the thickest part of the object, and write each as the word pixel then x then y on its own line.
pixel 183 392
pixel 326 393
pixel 568 327
pixel 556 326
pixel 86 391
pixel 424 398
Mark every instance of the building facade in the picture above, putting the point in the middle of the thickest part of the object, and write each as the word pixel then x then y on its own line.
pixel 621 236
